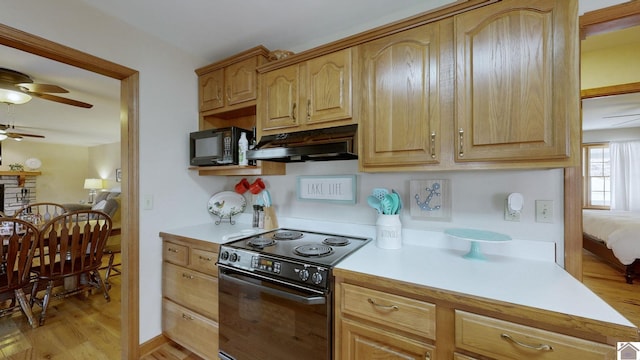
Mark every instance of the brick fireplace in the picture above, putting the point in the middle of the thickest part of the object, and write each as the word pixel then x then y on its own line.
pixel 17 191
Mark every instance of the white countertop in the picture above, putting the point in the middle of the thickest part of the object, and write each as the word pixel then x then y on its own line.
pixel 425 259
pixel 538 284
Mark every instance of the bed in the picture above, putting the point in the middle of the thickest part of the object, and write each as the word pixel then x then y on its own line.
pixel 614 236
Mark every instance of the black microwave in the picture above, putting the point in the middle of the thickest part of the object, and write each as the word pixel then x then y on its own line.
pixel 216 146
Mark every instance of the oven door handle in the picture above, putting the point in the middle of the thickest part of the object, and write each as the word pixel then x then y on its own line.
pixel 310 300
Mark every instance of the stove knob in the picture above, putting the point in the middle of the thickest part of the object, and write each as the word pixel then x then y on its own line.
pixel 303 274
pixel 233 257
pixel 224 255
pixel 316 278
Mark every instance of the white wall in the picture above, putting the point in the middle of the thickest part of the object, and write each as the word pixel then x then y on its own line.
pixel 168 111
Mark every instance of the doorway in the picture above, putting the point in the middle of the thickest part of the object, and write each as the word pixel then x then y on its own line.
pixel 129 124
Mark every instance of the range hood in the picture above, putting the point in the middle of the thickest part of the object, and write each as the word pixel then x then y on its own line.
pixel 336 143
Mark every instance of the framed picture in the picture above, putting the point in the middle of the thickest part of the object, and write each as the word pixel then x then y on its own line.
pixel 337 188
pixel 118 174
pixel 430 199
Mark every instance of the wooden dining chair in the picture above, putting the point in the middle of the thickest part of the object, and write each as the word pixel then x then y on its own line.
pixel 40 213
pixel 18 242
pixel 74 245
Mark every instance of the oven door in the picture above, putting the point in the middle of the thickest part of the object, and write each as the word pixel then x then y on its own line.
pixel 261 319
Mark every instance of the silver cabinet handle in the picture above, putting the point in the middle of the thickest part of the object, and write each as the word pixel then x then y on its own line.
pixel 187 276
pixel 187 317
pixel 229 93
pixel 427 355
pixel 461 148
pixel 433 144
pixel 204 258
pixel 385 307
pixel 540 347
pixel 172 250
pixel 309 109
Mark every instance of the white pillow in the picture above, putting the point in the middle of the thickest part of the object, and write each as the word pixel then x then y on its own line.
pixel 99 206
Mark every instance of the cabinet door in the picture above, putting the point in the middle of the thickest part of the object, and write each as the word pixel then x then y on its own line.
pixel 191 289
pixel 211 88
pixel 278 108
pixel 190 329
pixel 399 104
pixel 241 81
pixel 328 81
pixel 513 94
pixel 365 342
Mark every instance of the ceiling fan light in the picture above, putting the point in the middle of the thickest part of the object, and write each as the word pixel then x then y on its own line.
pixel 3 137
pixel 13 96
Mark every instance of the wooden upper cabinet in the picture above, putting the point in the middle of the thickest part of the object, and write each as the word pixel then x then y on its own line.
pixel 211 90
pixel 516 81
pixel 309 95
pixel 241 81
pixel 232 83
pixel 398 91
pixel 328 87
pixel 279 101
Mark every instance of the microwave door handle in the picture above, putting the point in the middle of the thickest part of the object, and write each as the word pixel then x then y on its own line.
pixel 311 300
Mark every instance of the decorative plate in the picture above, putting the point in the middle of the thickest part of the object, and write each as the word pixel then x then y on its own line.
pixel 33 163
pixel 226 204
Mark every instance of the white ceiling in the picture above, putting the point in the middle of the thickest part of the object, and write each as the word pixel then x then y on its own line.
pixel 210 30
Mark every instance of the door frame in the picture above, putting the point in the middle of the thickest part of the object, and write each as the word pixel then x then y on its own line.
pixel 594 22
pixel 129 153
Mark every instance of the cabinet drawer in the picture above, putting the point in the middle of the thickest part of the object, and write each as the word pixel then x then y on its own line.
pixel 189 329
pixel 197 291
pixel 505 340
pixel 204 261
pixel 413 316
pixel 175 253
pixel 365 342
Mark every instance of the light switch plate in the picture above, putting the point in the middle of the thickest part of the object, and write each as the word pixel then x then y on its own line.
pixel 544 211
pixel 147 202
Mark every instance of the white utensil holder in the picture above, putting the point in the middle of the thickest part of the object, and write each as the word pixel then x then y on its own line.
pixel 388 232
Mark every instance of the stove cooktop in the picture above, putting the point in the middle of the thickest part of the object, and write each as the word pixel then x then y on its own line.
pixel 303 259
pixel 301 246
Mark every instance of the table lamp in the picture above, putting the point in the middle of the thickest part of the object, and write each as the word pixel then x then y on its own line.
pixel 92 185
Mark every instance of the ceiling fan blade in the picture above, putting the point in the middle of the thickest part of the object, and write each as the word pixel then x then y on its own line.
pixel 62 100
pixel 43 88
pixel 18 135
pixel 618 116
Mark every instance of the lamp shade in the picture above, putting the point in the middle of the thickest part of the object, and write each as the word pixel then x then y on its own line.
pixel 11 96
pixel 93 183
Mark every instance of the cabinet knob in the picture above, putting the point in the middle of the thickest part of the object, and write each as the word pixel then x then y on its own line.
pixel 172 250
pixel 187 276
pixel 205 258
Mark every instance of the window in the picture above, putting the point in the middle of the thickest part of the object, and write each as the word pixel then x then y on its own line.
pixel 596 173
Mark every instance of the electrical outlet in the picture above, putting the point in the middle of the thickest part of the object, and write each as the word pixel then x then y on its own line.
pixel 544 211
pixel 510 216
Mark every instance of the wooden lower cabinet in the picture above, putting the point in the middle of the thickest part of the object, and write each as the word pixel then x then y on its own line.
pixel 380 318
pixel 378 325
pixel 500 339
pixel 190 294
pixel 360 341
pixel 197 333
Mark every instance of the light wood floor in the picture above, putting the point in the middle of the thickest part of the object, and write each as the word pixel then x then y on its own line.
pixel 89 328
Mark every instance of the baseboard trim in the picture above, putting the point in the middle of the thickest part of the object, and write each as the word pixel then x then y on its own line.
pixel 150 345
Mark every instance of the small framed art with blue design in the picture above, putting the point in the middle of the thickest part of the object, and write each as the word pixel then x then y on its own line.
pixel 430 199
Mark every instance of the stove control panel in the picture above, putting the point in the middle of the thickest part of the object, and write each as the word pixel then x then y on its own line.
pixel 275 267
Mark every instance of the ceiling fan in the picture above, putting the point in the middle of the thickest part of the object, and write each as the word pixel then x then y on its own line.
pixel 8 131
pixel 17 88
